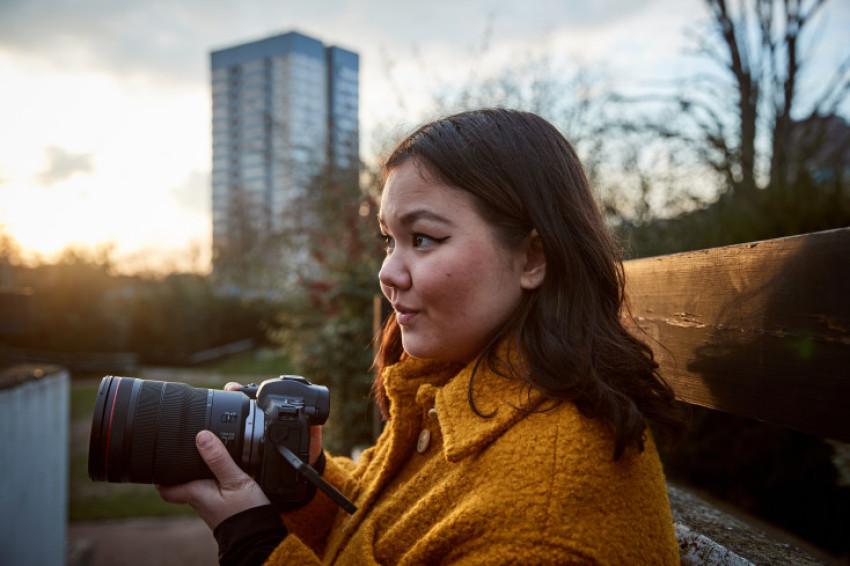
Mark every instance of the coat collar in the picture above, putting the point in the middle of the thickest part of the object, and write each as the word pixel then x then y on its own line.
pixel 422 384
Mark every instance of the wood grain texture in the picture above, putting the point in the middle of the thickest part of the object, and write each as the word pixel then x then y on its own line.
pixel 760 330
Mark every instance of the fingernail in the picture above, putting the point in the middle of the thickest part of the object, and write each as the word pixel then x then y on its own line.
pixel 204 438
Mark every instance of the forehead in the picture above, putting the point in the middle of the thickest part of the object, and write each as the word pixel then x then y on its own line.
pixel 411 186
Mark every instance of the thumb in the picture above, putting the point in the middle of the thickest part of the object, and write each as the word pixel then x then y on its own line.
pixel 216 456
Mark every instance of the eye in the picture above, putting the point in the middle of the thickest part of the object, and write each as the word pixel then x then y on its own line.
pixel 424 241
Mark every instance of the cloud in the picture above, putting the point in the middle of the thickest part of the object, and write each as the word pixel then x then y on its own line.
pixel 62 165
pixel 171 40
pixel 160 40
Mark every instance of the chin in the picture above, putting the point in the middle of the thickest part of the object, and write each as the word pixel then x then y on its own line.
pixel 421 352
pixel 429 350
pixel 435 355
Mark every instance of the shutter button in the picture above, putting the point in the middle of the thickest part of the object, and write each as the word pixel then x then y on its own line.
pixel 424 440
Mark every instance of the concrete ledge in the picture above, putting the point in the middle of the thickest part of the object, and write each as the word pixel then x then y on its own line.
pixel 11 377
pixel 698 550
pixel 709 535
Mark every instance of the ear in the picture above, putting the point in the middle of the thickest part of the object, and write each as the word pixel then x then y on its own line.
pixel 534 268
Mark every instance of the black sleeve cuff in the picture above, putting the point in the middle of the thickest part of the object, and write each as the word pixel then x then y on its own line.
pixel 249 538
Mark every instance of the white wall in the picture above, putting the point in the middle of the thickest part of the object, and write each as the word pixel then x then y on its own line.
pixel 34 422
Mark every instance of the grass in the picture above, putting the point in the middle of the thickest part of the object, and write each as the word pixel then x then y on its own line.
pixel 99 501
pixel 91 501
pixel 83 397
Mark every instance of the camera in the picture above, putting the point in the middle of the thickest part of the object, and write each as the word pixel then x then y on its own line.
pixel 143 431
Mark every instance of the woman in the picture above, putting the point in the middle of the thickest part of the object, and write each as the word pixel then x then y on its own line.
pixel 516 400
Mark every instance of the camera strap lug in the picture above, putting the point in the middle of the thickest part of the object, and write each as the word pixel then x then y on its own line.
pixel 313 477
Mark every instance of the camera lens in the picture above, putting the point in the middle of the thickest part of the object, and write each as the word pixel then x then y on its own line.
pixel 144 431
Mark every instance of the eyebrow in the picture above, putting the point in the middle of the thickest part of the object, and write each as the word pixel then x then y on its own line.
pixel 412 216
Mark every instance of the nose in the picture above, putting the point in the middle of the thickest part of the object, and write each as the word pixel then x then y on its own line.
pixel 394 273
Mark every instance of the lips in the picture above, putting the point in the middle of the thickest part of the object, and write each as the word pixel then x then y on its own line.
pixel 403 315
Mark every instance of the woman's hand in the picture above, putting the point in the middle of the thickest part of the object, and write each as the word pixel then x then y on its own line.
pixel 232 492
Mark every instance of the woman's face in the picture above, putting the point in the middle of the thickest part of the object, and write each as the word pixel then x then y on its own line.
pixel 452 283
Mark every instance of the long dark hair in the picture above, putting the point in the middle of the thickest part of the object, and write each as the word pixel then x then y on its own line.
pixel 572 330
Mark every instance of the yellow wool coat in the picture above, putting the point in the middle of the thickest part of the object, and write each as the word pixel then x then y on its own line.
pixel 518 487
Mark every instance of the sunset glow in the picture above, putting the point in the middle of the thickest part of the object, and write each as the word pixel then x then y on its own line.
pixel 106 125
pixel 110 164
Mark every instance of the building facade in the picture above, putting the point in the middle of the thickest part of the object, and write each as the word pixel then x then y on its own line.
pixel 284 110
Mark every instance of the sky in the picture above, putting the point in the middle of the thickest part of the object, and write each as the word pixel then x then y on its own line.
pixel 105 107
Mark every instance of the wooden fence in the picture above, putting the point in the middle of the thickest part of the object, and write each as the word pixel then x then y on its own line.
pixel 760 330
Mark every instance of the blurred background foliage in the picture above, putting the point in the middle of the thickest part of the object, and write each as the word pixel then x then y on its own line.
pixel 743 149
pixel 82 305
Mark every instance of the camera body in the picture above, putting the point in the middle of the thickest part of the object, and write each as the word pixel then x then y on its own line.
pixel 289 405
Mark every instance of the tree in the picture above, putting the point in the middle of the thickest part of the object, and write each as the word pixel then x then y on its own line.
pixel 325 325
pixel 81 305
pixel 771 143
pixel 566 92
pixel 10 254
pixel 180 314
pixel 745 114
pixel 573 96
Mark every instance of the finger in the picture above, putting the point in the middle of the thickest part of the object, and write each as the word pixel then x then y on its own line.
pixel 186 492
pixel 211 449
pixel 232 386
pixel 174 493
pixel 315 443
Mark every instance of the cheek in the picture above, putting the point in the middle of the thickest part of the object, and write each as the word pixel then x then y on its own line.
pixel 441 287
pixel 459 284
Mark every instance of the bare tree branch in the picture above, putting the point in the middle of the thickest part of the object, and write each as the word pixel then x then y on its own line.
pixel 742 118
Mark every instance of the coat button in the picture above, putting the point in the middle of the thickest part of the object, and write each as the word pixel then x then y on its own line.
pixel 424 440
